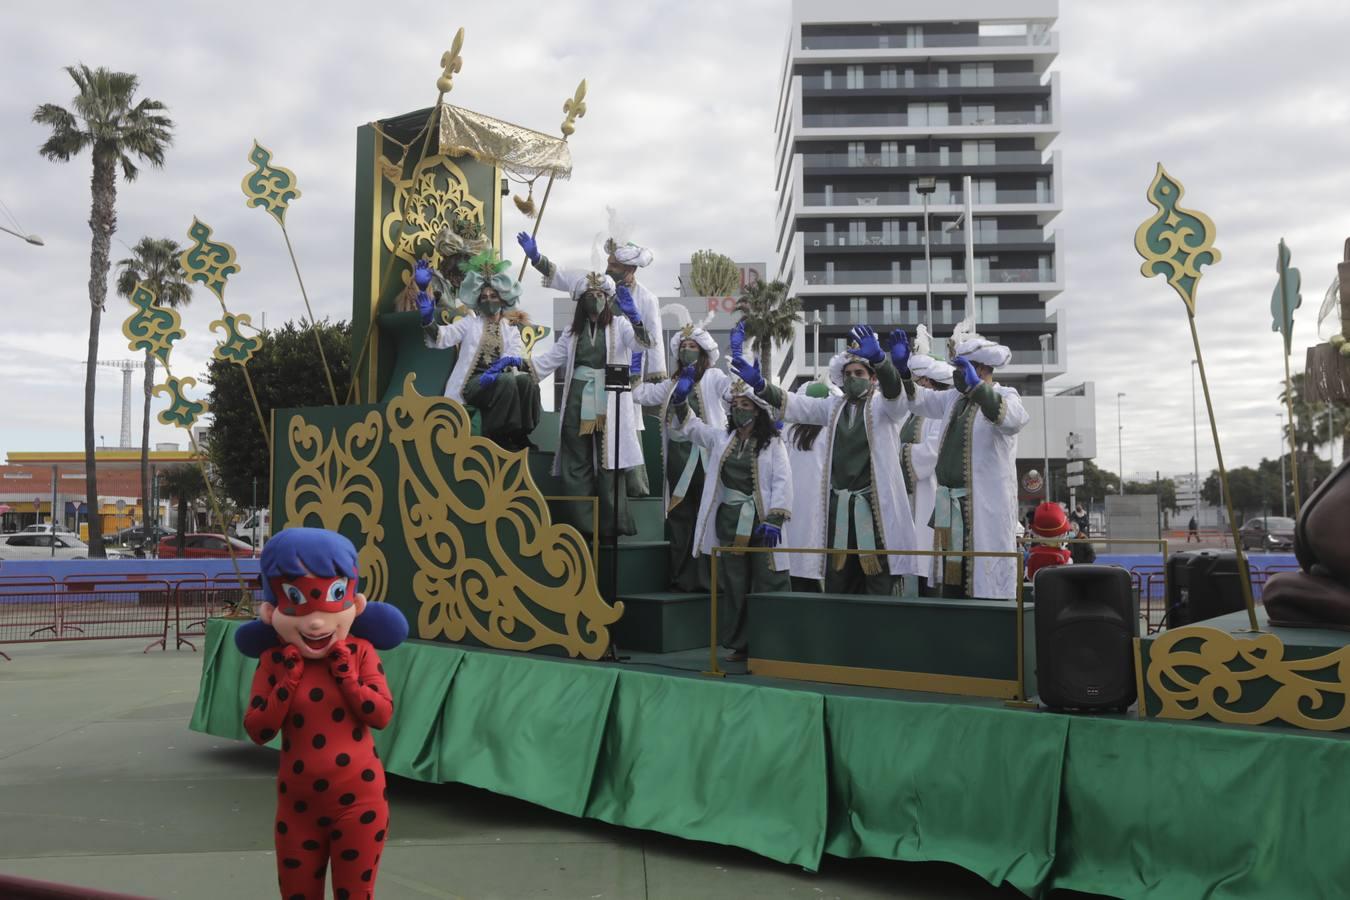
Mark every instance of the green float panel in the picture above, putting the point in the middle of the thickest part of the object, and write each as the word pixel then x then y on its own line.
pixel 662 622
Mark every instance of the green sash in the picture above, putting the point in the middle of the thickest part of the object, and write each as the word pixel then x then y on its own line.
pixel 746 523
pixel 592 398
pixel 949 530
pixel 861 505
pixel 698 454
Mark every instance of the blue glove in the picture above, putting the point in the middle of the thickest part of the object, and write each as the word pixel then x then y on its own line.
pixel 508 362
pixel 683 387
pixel 749 374
pixel 627 305
pixel 900 351
pixel 869 348
pixel 529 246
pixel 422 274
pixel 426 307
pixel 738 339
pixel 767 535
pixel 635 367
pixel 489 377
pixel 964 374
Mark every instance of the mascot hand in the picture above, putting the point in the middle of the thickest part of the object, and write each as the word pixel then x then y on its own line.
pixel 768 535
pixel 869 348
pixel 683 387
pixel 422 274
pixel 341 664
pixel 529 246
pixel 294 663
pixel 900 351
pixel 750 374
pixel 964 374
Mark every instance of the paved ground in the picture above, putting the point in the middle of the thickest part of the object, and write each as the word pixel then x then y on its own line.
pixel 103 785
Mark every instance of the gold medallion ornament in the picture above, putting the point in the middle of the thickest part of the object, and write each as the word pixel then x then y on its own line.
pixel 531 573
pixel 1199 672
pixel 151 327
pixel 531 335
pixel 182 411
pixel 335 482
pixel 425 205
pixel 235 346
pixel 1175 241
pixel 269 186
pixel 210 262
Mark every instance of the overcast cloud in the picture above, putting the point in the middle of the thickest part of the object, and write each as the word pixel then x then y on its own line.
pixel 1249 112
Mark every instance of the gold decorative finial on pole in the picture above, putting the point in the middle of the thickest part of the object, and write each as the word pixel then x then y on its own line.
pixel 451 63
pixel 574 108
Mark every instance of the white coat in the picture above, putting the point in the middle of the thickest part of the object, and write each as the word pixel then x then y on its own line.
pixel 921 459
pixel 773 483
pixel 890 507
pixel 808 479
pixel 657 393
pixel 991 478
pixel 621 343
pixel 467 334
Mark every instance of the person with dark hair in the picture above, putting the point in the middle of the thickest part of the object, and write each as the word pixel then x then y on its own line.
pixel 586 441
pixel 806 457
pixel 867 508
pixel 685 464
pixel 747 497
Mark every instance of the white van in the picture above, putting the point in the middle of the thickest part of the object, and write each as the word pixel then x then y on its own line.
pixel 256 528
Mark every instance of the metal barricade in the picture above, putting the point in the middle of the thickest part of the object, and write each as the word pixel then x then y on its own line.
pixel 42 611
pixel 199 599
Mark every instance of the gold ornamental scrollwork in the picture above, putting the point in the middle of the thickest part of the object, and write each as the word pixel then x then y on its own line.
pixel 424 204
pixel 471 515
pixel 334 481
pixel 1198 672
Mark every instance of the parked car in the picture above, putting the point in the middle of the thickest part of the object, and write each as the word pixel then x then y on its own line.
pixel 259 520
pixel 203 546
pixel 1270 533
pixel 46 529
pixel 134 535
pixel 39 546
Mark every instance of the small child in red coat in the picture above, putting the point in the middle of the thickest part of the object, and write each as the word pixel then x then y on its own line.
pixel 1049 521
pixel 322 690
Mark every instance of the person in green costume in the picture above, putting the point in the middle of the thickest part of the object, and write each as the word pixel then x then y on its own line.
pixel 606 330
pixel 747 497
pixel 686 464
pixel 863 493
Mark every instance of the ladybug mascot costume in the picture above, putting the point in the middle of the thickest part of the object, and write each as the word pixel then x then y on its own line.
pixel 321 686
pixel 1048 521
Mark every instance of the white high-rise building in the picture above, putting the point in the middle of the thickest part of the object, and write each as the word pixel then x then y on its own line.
pixel 884 104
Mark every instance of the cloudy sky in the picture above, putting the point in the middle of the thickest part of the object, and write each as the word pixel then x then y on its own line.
pixel 1249 111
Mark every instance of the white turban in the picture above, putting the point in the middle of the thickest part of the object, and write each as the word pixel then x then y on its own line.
pixel 927 367
pixel 738 388
pixel 984 351
pixel 593 281
pixel 631 254
pixel 698 336
pixel 837 363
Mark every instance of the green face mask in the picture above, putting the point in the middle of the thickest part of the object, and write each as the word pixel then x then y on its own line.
pixel 856 388
pixel 592 304
pixel 688 357
pixel 743 417
pixel 489 307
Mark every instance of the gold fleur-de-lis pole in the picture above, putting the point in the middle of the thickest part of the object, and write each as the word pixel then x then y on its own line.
pixel 212 263
pixel 451 64
pixel 573 108
pixel 155 329
pixel 1176 242
pixel 272 188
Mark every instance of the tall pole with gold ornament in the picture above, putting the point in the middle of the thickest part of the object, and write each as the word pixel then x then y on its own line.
pixel 573 108
pixel 1176 242
pixel 1283 302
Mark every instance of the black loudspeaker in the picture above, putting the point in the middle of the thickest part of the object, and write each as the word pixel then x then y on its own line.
pixel 1202 584
pixel 1085 626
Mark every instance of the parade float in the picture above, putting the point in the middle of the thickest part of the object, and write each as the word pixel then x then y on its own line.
pixel 898 728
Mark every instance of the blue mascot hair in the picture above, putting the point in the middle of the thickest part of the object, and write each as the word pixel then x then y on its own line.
pixel 293 552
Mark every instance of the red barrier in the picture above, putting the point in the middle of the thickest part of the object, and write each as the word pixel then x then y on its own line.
pixel 199 599
pixel 40 612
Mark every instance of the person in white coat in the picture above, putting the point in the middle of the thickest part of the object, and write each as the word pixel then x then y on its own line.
pixel 490 372
pixel 684 464
pixel 606 330
pixel 806 457
pixel 920 439
pixel 975 507
pixel 863 503
pixel 747 497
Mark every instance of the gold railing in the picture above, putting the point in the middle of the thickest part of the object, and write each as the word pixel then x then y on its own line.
pixel 1017 687
pixel 595 522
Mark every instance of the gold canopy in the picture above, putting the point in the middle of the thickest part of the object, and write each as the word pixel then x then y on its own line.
pixel 520 151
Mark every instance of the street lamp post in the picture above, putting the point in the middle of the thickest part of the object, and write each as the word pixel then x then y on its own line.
pixel 30 238
pixel 926 186
pixel 1120 443
pixel 1195 444
pixel 1284 489
pixel 815 331
pixel 1045 411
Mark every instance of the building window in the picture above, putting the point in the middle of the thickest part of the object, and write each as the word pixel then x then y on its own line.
pixel 977 153
pixel 909 79
pixel 913 36
pixel 977 114
pixel 827 79
pixel 914 310
pixel 1042 190
pixel 986 231
pixel 890 153
pixel 857 232
pixel 927 114
pixel 946 311
pixel 977 75
pixel 889 78
pixel 857 308
pixel 942 77
pixel 982 269
pixel 890 308
pixel 857 153
pixel 829 273
pixel 986 190
pixel 855 77
pixel 986 310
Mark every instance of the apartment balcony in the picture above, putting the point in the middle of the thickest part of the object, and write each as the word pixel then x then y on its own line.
pixel 852 200
pixel 869 163
pixel 994 278
pixel 837 317
pixel 1008 239
pixel 904 120
pixel 956 83
pixel 1033 37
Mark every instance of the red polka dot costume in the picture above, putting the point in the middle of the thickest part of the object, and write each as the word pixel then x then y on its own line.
pixel 331 798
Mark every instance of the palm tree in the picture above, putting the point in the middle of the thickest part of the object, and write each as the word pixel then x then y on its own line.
pixel 186 485
pixel 154 263
pixel 769 316
pixel 107 121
